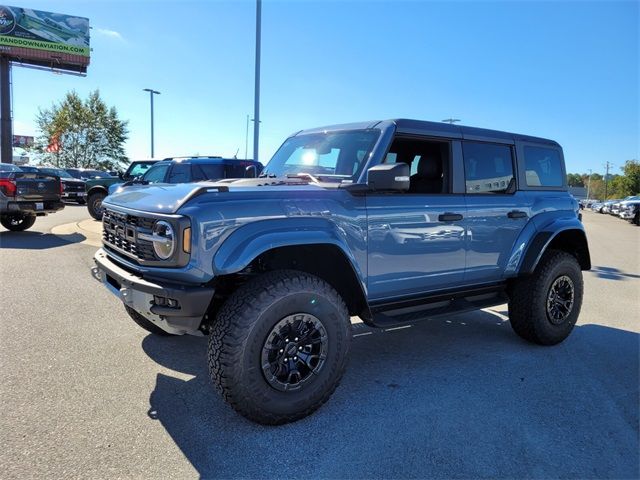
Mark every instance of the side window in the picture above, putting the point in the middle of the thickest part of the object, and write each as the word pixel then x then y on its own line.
pixel 488 167
pixel 234 171
pixel 543 167
pixel 429 161
pixel 156 173
pixel 139 169
pixel 212 171
pixel 180 173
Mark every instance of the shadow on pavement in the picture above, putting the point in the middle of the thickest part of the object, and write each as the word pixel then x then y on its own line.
pixel 611 273
pixel 454 397
pixel 37 240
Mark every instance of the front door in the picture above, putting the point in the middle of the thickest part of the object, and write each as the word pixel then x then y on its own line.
pixel 416 243
pixel 416 239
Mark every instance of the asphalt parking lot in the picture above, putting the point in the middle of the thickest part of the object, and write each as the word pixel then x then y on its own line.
pixel 86 393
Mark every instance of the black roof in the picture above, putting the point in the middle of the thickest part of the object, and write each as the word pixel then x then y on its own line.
pixel 423 127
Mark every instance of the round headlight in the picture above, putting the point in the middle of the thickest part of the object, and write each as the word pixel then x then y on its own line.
pixel 165 243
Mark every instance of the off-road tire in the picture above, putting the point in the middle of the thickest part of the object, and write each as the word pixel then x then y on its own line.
pixel 528 301
pixel 240 332
pixel 93 199
pixel 146 324
pixel 17 223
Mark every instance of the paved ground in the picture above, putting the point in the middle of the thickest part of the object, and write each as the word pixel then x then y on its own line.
pixel 85 393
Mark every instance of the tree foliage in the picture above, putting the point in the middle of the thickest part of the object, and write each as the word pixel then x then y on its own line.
pixel 617 186
pixel 81 134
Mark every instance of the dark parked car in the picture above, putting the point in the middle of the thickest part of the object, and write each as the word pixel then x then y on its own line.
pixel 72 189
pixel 86 173
pixel 194 169
pixel 29 169
pixel 25 196
pixel 392 221
pixel 98 188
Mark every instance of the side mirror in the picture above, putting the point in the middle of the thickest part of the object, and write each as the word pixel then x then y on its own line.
pixel 251 171
pixel 390 177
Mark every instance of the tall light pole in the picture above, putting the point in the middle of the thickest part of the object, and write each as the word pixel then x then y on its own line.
pixel 589 185
pixel 256 106
pixel 151 94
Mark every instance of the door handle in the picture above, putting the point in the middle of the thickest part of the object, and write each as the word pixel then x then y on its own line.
pixel 517 214
pixel 449 217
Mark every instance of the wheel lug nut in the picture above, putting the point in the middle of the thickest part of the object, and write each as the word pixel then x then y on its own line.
pixel 295 339
pixel 282 350
pixel 295 358
pixel 299 348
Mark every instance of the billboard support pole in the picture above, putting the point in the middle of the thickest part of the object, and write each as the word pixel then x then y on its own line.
pixel 6 137
pixel 256 107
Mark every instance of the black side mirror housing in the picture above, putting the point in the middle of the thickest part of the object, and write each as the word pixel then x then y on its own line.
pixel 394 177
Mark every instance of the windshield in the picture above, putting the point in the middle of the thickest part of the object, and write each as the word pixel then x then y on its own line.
pixel 327 156
pixel 57 171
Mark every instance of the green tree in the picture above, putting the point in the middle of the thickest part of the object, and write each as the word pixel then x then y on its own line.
pixel 575 180
pixel 81 133
pixel 631 172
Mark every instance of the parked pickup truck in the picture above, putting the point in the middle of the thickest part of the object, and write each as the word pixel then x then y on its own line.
pixel 392 221
pixel 98 188
pixel 25 196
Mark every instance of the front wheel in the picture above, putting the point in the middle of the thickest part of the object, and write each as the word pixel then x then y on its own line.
pixel 94 204
pixel 17 223
pixel 544 306
pixel 279 346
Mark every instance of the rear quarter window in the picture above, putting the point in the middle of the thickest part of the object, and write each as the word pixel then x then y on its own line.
pixel 543 167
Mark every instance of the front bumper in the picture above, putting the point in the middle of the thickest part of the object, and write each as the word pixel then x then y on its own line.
pixel 141 295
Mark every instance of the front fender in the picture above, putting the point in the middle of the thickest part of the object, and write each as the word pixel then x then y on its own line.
pixel 536 237
pixel 250 241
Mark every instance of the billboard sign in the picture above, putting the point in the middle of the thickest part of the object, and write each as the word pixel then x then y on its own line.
pixel 22 141
pixel 44 38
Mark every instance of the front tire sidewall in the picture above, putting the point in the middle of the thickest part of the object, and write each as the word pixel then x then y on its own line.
pixel 278 402
pixel 91 201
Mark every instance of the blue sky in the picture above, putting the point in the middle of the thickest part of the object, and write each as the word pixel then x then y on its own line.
pixel 564 70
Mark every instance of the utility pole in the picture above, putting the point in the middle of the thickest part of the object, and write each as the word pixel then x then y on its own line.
pixel 256 107
pixel 589 185
pixel 606 180
pixel 151 94
pixel 246 140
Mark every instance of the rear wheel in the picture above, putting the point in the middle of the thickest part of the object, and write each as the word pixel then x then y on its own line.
pixel 279 346
pixel 144 323
pixel 544 306
pixel 94 204
pixel 17 223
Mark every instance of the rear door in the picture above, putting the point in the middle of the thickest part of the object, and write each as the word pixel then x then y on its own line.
pixel 496 211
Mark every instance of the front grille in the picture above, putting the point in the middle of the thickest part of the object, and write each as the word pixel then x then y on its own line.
pixel 73 187
pixel 120 232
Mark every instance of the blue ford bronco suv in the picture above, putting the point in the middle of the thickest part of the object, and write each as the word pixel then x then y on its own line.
pixel 391 221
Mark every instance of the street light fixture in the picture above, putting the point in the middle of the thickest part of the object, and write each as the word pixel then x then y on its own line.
pixel 151 94
pixel 451 120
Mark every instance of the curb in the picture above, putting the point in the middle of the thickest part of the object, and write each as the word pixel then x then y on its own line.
pixel 90 229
